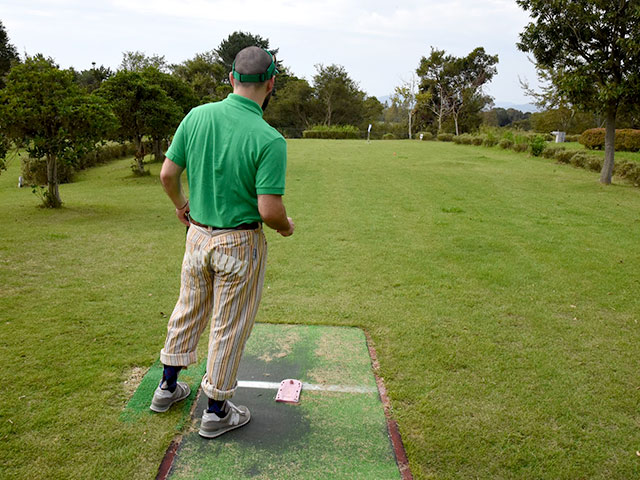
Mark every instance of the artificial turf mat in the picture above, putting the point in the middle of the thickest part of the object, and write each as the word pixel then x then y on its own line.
pixel 327 435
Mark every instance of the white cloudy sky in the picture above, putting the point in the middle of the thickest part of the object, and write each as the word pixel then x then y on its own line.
pixel 379 42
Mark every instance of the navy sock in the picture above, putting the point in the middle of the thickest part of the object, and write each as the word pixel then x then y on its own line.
pixel 217 407
pixel 170 377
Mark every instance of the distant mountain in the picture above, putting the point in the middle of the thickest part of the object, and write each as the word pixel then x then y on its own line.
pixel 523 107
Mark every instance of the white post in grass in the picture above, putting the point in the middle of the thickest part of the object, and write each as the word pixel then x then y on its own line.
pixel 368 133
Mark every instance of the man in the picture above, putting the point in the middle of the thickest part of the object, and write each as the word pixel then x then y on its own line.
pixel 235 165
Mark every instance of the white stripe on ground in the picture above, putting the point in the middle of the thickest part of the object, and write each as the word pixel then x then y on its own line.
pixel 310 386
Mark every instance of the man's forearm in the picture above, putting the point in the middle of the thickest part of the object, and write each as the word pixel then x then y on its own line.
pixel 170 178
pixel 274 214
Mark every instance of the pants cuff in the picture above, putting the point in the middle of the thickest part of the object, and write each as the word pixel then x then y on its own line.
pixel 178 359
pixel 215 394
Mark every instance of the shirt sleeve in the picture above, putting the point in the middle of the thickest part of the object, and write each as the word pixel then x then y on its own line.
pixel 270 177
pixel 176 151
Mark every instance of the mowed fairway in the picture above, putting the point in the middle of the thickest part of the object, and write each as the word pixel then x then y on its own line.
pixel 501 293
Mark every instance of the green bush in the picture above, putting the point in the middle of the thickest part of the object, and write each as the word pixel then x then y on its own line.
pixel 478 140
pixel 34 171
pixel 594 163
pixel 464 139
pixel 629 171
pixel 335 132
pixel 593 138
pixel 445 137
pixel 490 140
pixel 572 138
pixel 388 136
pixel 520 147
pixel 537 145
pixel 505 143
pixel 579 159
pixel 550 150
pixel 425 136
pixel 564 156
pixel 626 140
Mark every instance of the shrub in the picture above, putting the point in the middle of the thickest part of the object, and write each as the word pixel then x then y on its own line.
pixel 594 163
pixel 445 137
pixel 572 138
pixel 537 145
pixel 491 140
pixel 520 147
pixel 464 139
pixel 335 132
pixel 508 135
pixel 579 159
pixel 34 171
pixel 627 140
pixel 478 139
pixel 550 150
pixel 593 138
pixel 564 156
pixel 505 143
pixel 425 136
pixel 629 171
pixel 388 136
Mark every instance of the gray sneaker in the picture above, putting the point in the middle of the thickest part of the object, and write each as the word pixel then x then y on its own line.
pixel 163 399
pixel 213 426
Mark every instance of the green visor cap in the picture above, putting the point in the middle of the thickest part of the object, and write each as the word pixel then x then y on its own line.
pixel 256 77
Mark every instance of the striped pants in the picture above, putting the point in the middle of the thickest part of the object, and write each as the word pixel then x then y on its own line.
pixel 221 285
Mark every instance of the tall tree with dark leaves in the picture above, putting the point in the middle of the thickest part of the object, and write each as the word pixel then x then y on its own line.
pixel 8 55
pixel 229 47
pixel 593 50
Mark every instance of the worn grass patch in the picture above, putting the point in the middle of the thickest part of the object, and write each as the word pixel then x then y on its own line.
pixel 500 291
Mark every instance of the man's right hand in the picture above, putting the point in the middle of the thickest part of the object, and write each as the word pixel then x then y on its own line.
pixel 182 214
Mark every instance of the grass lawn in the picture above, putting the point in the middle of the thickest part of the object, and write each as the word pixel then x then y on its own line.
pixel 500 290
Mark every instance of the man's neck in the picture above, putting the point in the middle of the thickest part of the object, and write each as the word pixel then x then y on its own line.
pixel 257 96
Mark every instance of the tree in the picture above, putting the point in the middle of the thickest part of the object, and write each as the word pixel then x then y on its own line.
pixel 372 110
pixel 8 55
pixel 434 83
pixel 182 95
pixel 229 48
pixel 206 75
pixel 91 79
pixel 142 108
pixel 44 110
pixel 138 61
pixel 338 95
pixel 453 86
pixel 405 97
pixel 467 75
pixel 292 107
pixel 593 50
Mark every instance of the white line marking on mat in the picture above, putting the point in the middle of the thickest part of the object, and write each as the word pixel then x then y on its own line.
pixel 310 386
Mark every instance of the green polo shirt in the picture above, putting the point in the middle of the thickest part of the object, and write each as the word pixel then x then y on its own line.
pixel 231 156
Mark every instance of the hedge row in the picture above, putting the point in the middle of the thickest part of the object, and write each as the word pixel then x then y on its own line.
pixel 628 170
pixel 626 140
pixel 537 145
pixel 336 132
pixel 34 170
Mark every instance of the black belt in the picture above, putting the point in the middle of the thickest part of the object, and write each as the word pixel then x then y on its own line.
pixel 242 226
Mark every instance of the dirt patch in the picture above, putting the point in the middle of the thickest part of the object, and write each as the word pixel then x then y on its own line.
pixel 341 361
pixel 134 377
pixel 281 345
